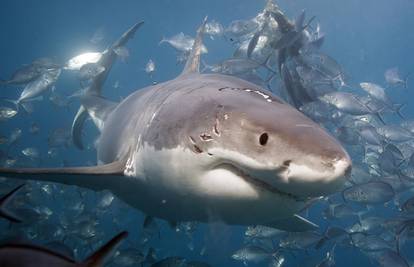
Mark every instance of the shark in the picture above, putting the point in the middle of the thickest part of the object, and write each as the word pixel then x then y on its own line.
pixel 204 147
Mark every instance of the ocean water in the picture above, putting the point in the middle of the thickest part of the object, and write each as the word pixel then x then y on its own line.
pixel 365 37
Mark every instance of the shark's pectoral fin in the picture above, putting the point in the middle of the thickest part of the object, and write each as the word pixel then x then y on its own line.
pixel 96 178
pixel 295 223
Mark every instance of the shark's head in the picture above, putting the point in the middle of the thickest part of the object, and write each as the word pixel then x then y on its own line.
pixel 252 135
pixel 229 142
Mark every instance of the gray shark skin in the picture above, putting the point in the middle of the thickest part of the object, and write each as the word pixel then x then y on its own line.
pixel 208 147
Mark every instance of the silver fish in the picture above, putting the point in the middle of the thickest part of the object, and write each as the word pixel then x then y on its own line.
pixel 98 36
pixel 39 86
pixel 368 242
pixel 346 102
pixel 262 232
pixel 388 257
pixel 393 78
pixel 395 133
pixel 150 67
pixel 31 152
pixel 369 193
pixel 122 52
pixel 214 28
pixel 252 254
pixel 90 71
pixel 182 42
pixel 376 91
pixel 78 61
pixel 7 113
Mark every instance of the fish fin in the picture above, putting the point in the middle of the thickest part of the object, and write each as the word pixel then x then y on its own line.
pixel 378 115
pixel 405 84
pixel 398 108
pixel 14 102
pixel 253 43
pixel 98 109
pixel 28 107
pixel 163 40
pixel 96 177
pixel 266 64
pixel 309 23
pixel 300 20
pixel 4 213
pixel 101 256
pixel 107 60
pixel 321 242
pixel 173 224
pixel 193 62
pixel 129 34
pixel 317 43
pixel 205 66
pixel 295 223
pixel 147 221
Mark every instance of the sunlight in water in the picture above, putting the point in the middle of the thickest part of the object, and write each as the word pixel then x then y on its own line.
pixel 77 62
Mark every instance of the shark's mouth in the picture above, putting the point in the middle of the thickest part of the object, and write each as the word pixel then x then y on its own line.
pixel 260 183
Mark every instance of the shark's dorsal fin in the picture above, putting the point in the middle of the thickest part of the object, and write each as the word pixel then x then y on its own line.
pixel 193 62
pixel 95 177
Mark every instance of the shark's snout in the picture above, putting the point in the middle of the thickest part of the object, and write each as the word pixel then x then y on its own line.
pixel 316 177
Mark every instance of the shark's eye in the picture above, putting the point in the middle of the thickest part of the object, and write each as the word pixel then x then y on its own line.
pixel 263 139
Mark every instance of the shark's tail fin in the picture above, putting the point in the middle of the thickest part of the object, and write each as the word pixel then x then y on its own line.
pixel 95 88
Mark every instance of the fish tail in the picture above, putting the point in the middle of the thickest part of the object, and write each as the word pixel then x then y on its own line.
pixel 163 40
pixel 101 255
pixel 4 213
pixel 398 108
pixel 379 116
pixel 204 66
pixel 266 64
pixel 14 102
pixel 405 84
pixel 309 22
pixel 343 196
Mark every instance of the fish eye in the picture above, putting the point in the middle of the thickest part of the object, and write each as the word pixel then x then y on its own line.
pixel 263 139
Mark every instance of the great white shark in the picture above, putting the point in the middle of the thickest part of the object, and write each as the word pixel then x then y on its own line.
pixel 204 147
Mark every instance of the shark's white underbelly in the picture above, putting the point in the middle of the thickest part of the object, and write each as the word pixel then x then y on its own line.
pixel 164 183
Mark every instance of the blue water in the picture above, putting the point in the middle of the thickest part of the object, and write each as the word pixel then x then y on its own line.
pixel 365 37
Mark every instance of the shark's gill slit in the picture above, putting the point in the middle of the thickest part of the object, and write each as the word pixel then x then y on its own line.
pixel 197 149
pixel 215 128
pixel 192 140
pixel 206 137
